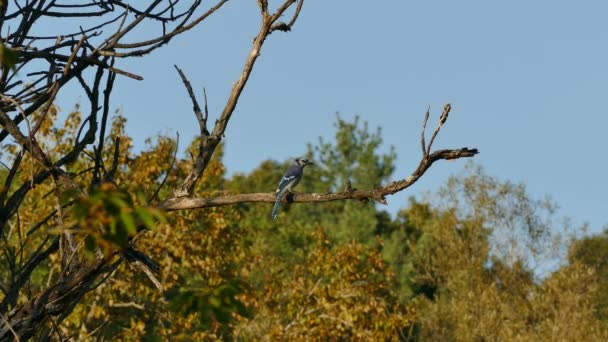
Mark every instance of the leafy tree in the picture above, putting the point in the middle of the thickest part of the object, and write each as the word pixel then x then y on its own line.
pixel 352 160
pixel 335 167
pixel 592 252
pixel 337 292
pixel 309 279
pixel 76 204
pixel 469 285
pixel 233 273
pixel 61 189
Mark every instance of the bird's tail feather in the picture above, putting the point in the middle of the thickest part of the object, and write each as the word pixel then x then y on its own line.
pixel 277 204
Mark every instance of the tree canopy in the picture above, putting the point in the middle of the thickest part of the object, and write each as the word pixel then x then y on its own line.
pixel 99 241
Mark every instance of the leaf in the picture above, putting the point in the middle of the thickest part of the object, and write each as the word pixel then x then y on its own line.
pixel 215 301
pixel 89 243
pixel 145 216
pixel 8 56
pixel 117 201
pixel 128 222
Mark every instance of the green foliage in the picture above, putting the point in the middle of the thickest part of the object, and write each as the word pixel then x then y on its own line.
pixel 335 293
pixel 353 158
pixel 399 246
pixel 335 165
pixel 467 284
pixel 521 228
pixel 212 305
pixel 8 56
pixel 108 218
pixel 465 264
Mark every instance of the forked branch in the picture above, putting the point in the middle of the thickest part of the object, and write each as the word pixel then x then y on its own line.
pixel 378 194
pixel 210 140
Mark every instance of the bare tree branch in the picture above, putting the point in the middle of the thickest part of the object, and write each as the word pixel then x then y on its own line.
pixel 202 118
pixel 424 122
pixel 209 142
pixel 378 194
pixel 58 300
pixel 442 120
pixel 281 26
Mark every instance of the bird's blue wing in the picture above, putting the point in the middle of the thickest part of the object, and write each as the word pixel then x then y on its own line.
pixel 289 180
pixel 292 174
pixel 285 182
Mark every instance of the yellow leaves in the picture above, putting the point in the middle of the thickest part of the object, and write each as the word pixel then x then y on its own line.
pixel 137 326
pixel 47 124
pixel 11 148
pixel 201 246
pixel 338 292
pixel 217 270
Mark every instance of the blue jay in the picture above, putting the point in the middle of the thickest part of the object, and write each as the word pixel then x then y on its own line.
pixel 289 181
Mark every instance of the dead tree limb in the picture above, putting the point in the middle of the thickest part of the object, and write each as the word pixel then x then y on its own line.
pixel 377 194
pixel 209 141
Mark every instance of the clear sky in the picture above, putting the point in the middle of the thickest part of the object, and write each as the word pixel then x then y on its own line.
pixel 526 79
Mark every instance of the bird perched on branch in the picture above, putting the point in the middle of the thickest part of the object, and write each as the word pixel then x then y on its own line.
pixel 289 181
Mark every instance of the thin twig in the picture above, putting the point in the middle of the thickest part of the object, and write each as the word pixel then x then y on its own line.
pixel 162 183
pixel 422 142
pixel 202 118
pixel 29 129
pixel 442 120
pixel 8 324
pixel 86 338
pixel 109 176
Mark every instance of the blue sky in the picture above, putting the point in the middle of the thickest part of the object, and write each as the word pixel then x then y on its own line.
pixel 526 79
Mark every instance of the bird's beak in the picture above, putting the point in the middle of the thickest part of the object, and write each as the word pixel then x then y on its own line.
pixel 311 163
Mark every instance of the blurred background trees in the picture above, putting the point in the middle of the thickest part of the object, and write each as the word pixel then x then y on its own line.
pixel 479 259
